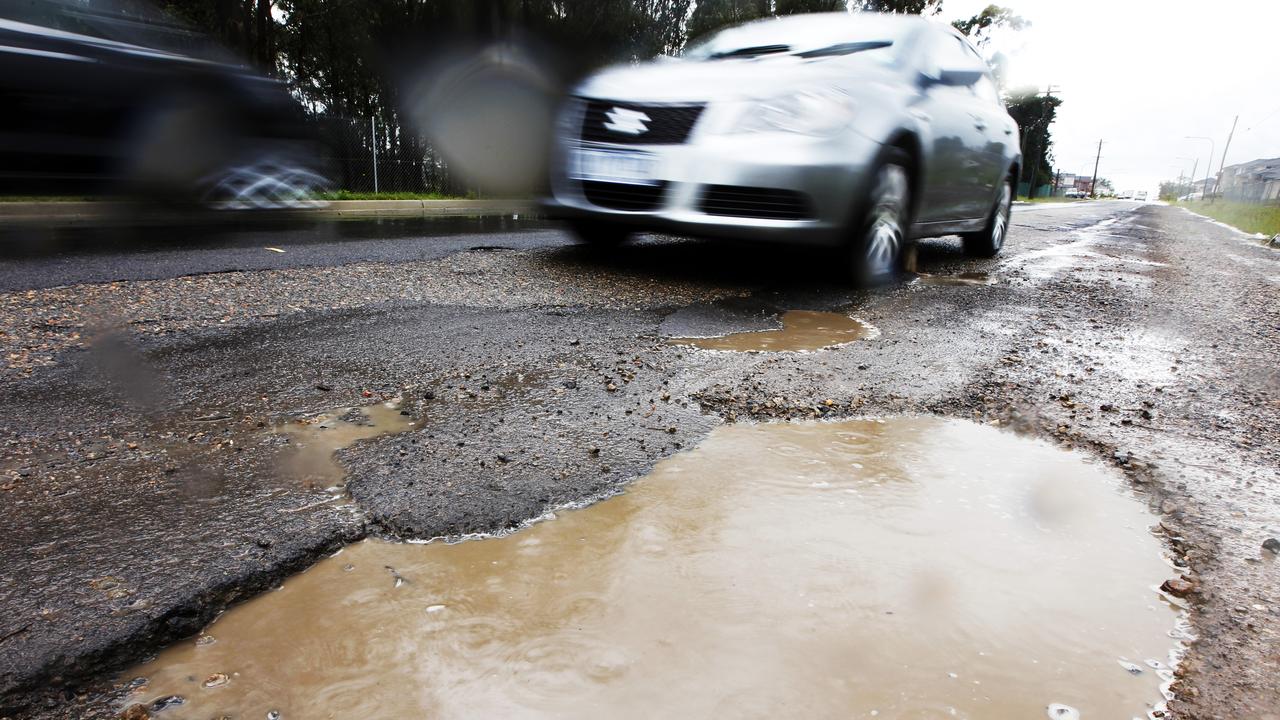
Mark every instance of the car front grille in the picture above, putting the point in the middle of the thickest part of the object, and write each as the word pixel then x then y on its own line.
pixel 754 202
pixel 647 124
pixel 620 196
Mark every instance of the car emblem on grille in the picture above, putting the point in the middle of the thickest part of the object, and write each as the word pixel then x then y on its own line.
pixel 630 122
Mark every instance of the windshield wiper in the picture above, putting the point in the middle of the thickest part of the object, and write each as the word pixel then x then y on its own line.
pixel 845 48
pixel 748 52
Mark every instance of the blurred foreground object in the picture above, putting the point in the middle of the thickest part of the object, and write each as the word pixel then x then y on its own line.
pixel 489 109
pixel 114 98
pixel 854 130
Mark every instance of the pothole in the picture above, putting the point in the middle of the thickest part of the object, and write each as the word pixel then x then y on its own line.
pixel 964 278
pixel 909 567
pixel 309 457
pixel 801 330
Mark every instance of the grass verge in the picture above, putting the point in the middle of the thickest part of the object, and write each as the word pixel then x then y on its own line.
pixel 1250 218
pixel 350 195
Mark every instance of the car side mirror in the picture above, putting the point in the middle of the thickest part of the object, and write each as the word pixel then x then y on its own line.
pixel 959 77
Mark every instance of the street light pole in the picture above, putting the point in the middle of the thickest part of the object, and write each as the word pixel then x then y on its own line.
pixel 1212 151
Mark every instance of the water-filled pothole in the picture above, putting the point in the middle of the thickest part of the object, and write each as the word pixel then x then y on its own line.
pixel 911 567
pixel 801 330
pixel 964 278
pixel 309 457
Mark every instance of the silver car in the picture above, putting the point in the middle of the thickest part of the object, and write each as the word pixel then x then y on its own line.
pixel 855 130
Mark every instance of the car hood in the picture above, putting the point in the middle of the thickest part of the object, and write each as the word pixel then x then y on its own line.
pixel 673 80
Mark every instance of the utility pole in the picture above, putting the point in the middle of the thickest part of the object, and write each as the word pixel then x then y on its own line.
pixel 1057 181
pixel 1224 151
pixel 1093 186
pixel 373 131
pixel 1208 169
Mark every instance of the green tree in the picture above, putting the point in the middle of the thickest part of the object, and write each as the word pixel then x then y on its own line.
pixel 905 7
pixel 980 26
pixel 1034 112
pixel 711 15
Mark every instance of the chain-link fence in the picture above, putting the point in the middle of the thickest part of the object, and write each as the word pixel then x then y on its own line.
pixel 365 155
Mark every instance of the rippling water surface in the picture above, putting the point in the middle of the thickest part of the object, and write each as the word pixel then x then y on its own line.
pixel 911 567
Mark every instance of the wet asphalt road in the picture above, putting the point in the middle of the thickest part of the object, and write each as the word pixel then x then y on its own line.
pixel 41 257
pixel 141 482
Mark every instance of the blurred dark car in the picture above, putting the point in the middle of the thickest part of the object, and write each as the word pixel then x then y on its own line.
pixel 114 97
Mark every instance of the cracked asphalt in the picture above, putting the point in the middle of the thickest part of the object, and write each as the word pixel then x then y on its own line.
pixel 141 484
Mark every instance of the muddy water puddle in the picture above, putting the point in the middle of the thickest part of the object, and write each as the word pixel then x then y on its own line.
pixel 309 457
pixel 957 279
pixel 904 568
pixel 801 330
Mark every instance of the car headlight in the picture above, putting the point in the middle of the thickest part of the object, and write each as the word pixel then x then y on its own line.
pixel 815 111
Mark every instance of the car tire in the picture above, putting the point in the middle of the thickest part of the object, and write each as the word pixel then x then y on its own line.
pixel 599 234
pixel 880 246
pixel 988 241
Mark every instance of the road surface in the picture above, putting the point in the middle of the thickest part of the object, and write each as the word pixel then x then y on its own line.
pixel 142 486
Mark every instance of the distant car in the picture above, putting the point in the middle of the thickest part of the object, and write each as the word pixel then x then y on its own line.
pixel 95 100
pixel 852 130
pixel 1141 195
pixel 1074 194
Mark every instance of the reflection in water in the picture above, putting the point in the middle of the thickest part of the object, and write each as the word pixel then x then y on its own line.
pixel 801 330
pixel 309 457
pixel 911 567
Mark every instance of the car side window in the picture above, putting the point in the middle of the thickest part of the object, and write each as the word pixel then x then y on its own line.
pixel 985 89
pixel 946 52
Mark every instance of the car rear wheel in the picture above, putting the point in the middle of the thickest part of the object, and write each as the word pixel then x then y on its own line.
pixel 880 246
pixel 597 233
pixel 990 239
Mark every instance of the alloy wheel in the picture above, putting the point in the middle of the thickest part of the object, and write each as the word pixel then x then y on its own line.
pixel 1000 223
pixel 884 237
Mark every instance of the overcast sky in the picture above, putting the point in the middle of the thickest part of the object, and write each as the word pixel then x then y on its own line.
pixel 1142 74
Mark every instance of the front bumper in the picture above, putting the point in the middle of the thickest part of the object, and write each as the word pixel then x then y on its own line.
pixel 826 175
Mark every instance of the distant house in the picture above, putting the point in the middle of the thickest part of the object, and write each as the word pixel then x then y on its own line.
pixel 1069 181
pixel 1257 181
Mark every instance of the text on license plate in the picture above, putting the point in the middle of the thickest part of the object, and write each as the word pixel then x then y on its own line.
pixel 617 166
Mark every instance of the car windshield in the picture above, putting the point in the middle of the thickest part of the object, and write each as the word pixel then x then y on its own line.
pixel 804 37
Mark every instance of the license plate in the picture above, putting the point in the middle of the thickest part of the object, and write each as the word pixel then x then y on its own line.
pixel 616 166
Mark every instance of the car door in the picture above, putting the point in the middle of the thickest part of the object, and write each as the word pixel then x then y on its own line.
pixel 999 130
pixel 957 184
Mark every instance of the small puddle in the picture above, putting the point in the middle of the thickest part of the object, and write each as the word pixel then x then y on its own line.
pixel 964 278
pixel 801 330
pixel 309 459
pixel 910 567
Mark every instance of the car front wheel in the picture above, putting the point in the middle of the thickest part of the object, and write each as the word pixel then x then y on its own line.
pixel 879 246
